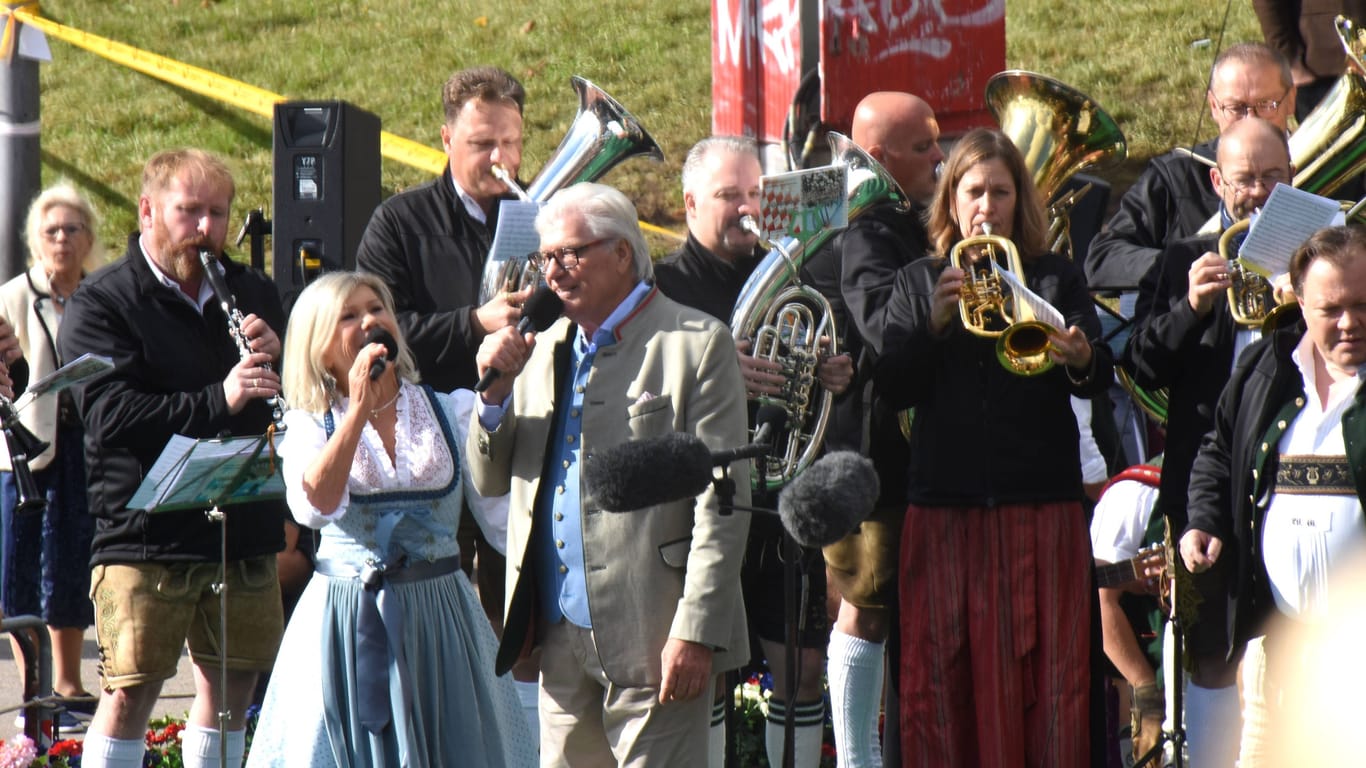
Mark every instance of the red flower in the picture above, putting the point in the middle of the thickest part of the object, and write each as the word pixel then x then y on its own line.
pixel 827 750
pixel 65 748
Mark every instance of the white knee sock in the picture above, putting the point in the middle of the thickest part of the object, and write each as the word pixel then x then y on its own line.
pixel 1213 724
pixel 854 671
pixel 200 747
pixel 100 751
pixel 716 735
pixel 806 742
pixel 528 692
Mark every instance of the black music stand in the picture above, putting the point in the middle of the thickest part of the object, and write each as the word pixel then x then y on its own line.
pixel 211 474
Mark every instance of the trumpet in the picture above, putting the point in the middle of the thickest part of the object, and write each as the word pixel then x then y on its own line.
pixel 985 305
pixel 235 318
pixel 1252 300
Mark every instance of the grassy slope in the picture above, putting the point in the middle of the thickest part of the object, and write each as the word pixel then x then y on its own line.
pixel 391 56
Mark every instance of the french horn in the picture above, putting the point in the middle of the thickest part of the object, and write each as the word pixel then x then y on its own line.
pixel 602 135
pixel 785 320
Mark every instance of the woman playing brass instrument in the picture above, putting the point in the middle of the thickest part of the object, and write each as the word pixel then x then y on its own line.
pixel 995 559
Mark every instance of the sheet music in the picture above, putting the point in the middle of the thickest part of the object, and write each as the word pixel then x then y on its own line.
pixel 516 234
pixel 1043 311
pixel 74 372
pixel 198 473
pixel 1288 219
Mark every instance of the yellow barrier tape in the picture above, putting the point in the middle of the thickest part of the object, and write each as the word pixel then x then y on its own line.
pixel 215 86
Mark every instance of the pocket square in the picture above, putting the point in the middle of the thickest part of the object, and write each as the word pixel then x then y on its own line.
pixel 645 397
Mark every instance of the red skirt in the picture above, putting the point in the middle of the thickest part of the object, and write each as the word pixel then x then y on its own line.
pixel 995 634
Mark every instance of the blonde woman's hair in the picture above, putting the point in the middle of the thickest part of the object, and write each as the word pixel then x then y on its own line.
pixel 306 382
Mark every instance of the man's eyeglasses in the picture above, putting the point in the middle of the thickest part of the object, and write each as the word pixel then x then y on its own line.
pixel 70 230
pixel 1263 108
pixel 567 257
pixel 1245 184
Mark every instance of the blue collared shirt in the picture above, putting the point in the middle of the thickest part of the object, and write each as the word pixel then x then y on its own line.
pixel 559 513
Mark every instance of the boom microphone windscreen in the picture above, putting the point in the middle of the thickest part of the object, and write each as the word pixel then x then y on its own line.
pixel 825 502
pixel 643 473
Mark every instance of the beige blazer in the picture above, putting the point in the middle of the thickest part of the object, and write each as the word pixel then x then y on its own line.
pixel 32 327
pixel 669 571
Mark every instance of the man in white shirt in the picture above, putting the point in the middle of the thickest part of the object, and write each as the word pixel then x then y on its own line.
pixel 1278 480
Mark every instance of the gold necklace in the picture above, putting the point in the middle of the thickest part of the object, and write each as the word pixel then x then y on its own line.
pixel 385 407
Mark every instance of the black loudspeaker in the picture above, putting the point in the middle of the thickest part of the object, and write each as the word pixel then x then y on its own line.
pixel 327 183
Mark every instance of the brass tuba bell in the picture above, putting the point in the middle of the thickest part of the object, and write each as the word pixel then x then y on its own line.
pixel 1060 132
pixel 785 319
pixel 602 135
pixel 1328 149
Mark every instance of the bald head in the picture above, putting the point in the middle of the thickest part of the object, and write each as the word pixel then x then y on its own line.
pixel 899 131
pixel 1253 157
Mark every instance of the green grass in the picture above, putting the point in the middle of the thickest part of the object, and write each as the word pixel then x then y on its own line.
pixel 101 122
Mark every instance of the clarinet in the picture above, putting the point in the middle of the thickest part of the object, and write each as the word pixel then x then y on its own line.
pixel 235 317
pixel 22 445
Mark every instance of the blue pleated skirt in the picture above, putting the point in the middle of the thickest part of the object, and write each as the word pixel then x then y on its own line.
pixel 461 713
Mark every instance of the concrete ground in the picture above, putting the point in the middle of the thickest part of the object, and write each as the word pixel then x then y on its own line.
pixel 175 699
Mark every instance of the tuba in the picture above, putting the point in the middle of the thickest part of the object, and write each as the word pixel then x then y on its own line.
pixel 985 305
pixel 785 319
pixel 602 135
pixel 1328 148
pixel 1061 132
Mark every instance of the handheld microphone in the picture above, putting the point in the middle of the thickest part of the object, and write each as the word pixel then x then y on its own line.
pixel 378 335
pixel 538 313
pixel 828 500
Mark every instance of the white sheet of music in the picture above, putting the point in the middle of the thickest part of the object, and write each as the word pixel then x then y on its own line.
pixel 1043 311
pixel 1289 217
pixel 516 234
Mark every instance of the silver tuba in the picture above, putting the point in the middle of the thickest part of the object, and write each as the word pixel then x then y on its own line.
pixel 602 135
pixel 785 319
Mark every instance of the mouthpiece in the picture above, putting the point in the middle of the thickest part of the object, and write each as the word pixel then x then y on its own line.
pixel 751 226
pixel 501 173
pixel 986 228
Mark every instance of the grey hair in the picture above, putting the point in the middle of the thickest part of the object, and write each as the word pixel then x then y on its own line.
pixel 607 213
pixel 692 164
pixel 65 194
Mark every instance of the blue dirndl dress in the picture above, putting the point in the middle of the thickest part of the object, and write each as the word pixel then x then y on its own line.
pixel 445 705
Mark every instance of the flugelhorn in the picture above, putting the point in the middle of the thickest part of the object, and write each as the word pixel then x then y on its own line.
pixel 785 320
pixel 1252 300
pixel 989 309
pixel 602 135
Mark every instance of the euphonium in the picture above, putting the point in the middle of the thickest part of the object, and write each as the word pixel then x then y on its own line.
pixel 1060 131
pixel 602 135
pixel 786 320
pixel 988 309
pixel 1252 300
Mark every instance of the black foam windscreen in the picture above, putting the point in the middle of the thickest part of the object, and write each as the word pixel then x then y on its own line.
pixel 829 499
pixel 643 473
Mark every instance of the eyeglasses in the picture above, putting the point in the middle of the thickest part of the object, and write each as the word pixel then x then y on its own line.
pixel 1263 108
pixel 70 230
pixel 567 257
pixel 1245 184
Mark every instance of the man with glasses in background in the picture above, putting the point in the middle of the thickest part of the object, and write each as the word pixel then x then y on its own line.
pixel 1173 198
pixel 1185 339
